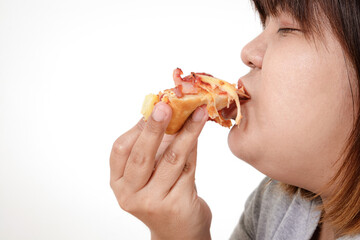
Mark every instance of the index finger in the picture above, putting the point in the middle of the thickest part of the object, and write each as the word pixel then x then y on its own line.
pixel 178 153
pixel 121 150
pixel 141 162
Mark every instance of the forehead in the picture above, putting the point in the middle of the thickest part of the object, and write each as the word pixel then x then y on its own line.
pixel 307 13
pixel 295 7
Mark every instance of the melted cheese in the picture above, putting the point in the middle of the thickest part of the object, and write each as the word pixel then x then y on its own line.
pixel 226 87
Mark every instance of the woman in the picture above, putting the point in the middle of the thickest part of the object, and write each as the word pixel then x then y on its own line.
pixel 301 128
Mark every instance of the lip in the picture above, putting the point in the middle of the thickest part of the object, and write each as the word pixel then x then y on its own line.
pixel 241 85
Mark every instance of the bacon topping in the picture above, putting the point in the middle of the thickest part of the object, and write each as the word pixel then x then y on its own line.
pixel 189 78
pixel 189 88
pixel 177 76
pixel 178 91
pixel 186 85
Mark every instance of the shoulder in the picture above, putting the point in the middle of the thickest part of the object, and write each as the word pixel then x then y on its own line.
pixel 264 204
pixel 267 205
pixel 270 199
pixel 271 213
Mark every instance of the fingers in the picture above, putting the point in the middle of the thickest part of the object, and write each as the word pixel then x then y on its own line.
pixel 121 150
pixel 140 164
pixel 166 141
pixel 177 154
pixel 185 184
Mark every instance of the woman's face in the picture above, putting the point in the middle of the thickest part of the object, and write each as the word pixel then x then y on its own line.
pixel 300 114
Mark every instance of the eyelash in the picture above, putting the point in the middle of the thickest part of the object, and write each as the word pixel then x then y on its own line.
pixel 287 30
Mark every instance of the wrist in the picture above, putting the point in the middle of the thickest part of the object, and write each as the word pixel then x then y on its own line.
pixel 182 236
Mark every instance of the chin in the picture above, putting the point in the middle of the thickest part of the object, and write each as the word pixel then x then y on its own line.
pixel 250 148
pixel 238 143
pixel 246 145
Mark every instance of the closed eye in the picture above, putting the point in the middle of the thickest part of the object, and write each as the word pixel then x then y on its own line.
pixel 287 30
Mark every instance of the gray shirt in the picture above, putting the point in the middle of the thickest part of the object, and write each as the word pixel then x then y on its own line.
pixel 271 213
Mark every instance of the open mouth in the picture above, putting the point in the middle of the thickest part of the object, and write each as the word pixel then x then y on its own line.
pixel 231 111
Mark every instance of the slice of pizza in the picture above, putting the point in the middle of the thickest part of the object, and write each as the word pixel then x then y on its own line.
pixel 195 90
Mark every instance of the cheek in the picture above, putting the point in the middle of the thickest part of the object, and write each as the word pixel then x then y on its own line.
pixel 297 113
pixel 301 92
pixel 293 92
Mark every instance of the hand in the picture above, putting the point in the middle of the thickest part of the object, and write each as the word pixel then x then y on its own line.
pixel 153 176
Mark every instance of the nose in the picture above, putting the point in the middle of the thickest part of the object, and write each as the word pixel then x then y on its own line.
pixel 253 53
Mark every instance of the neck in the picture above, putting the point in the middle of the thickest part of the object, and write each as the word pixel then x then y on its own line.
pixel 326 232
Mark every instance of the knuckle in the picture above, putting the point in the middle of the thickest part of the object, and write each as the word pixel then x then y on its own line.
pixel 154 127
pixel 126 202
pixel 126 205
pixel 145 204
pixel 187 167
pixel 170 157
pixel 117 186
pixel 138 158
pixel 112 185
pixel 121 146
pixel 149 208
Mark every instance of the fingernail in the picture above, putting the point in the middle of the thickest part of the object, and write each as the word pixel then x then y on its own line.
pixel 159 113
pixel 198 114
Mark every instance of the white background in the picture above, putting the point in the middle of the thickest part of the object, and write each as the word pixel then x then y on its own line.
pixel 73 75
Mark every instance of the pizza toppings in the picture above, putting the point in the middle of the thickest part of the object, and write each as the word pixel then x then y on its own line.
pixel 195 90
pixel 177 76
pixel 178 91
pixel 196 82
pixel 189 88
pixel 186 85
